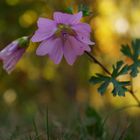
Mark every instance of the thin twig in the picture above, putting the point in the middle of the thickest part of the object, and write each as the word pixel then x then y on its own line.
pixel 97 62
pixel 132 92
pixel 135 97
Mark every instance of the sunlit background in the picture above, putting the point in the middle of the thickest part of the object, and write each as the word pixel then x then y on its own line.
pixel 37 82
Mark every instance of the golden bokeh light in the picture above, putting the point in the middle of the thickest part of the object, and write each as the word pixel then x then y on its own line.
pixel 121 25
pixel 28 18
pixel 9 96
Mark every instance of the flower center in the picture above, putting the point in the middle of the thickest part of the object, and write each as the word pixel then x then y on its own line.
pixel 64 30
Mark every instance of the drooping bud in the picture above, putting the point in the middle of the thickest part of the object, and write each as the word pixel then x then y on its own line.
pixel 12 53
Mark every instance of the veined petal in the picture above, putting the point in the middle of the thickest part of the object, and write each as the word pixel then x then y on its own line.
pixel 79 46
pixel 67 18
pixel 52 47
pixel 56 53
pixel 11 61
pixel 46 28
pixel 9 49
pixel 44 24
pixel 42 35
pixel 85 40
pixel 83 37
pixel 45 47
pixel 83 33
pixel 82 27
pixel 73 48
pixel 69 51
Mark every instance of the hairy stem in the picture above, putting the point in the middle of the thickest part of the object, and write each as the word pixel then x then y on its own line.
pixel 97 62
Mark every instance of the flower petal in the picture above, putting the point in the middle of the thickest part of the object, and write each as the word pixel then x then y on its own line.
pixel 53 47
pixel 67 18
pixel 83 33
pixel 9 49
pixel 45 47
pixel 46 28
pixel 84 39
pixel 78 46
pixel 44 23
pixel 11 61
pixel 82 27
pixel 69 50
pixel 73 48
pixel 56 53
pixel 42 35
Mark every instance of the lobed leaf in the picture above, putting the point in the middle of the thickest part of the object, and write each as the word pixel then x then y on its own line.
pixel 119 87
pixel 119 69
pixel 126 51
pixel 98 79
pixel 133 55
pixel 103 87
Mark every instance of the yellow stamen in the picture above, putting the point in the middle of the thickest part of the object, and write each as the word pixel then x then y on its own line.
pixel 62 28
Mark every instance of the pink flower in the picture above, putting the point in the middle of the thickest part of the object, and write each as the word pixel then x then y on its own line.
pixel 11 54
pixel 65 35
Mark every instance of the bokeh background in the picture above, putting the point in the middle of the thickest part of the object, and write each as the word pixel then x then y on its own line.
pixel 37 83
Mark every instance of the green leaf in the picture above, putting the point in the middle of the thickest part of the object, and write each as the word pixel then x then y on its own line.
pixel 98 78
pixel 123 70
pixel 119 87
pixel 23 42
pixel 126 51
pixel 116 68
pixel 120 92
pixel 136 47
pixel 119 69
pixel 125 83
pixel 69 10
pixel 134 69
pixel 85 9
pixel 95 80
pixel 103 87
pixel 133 55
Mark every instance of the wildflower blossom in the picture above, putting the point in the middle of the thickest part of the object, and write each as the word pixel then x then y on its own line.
pixel 12 53
pixel 65 35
